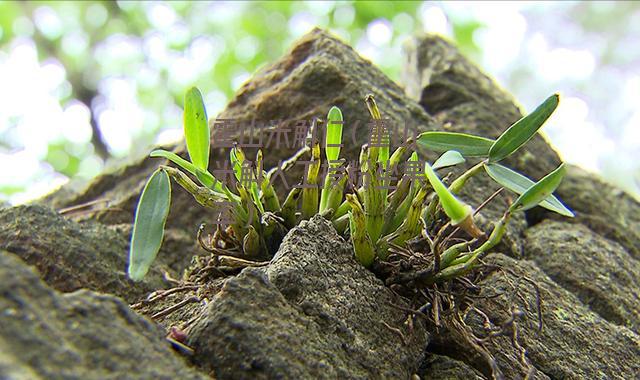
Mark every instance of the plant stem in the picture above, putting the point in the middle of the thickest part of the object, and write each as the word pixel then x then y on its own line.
pixel 461 267
pixel 458 184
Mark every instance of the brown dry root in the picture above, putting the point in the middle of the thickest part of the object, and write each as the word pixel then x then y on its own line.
pixel 450 309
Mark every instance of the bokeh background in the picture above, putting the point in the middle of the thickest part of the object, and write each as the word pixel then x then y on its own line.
pixel 87 85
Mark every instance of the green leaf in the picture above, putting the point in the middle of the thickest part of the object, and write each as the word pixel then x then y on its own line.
pixel 455 209
pixel 523 130
pixel 518 183
pixel 196 128
pixel 539 191
pixel 148 228
pixel 466 145
pixel 334 134
pixel 448 158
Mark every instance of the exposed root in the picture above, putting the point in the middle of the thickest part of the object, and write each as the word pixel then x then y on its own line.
pixel 172 308
pixel 450 308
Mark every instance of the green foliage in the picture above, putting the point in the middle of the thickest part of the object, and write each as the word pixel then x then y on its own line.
pixel 148 228
pixel 334 133
pixel 205 177
pixel 539 191
pixel 362 245
pixel 518 183
pixel 310 193
pixel 455 209
pixel 196 128
pixel 465 144
pixel 331 194
pixel 523 130
pixel 447 159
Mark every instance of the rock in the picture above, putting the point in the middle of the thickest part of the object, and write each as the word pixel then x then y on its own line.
pixel 314 312
pixel 574 343
pixel 603 208
pixel 438 367
pixel 599 272
pixel 70 256
pixel 81 335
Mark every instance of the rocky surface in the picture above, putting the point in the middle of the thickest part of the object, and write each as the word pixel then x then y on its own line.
pixel 605 209
pixel 82 335
pixel 574 343
pixel 71 256
pixel 314 312
pixel 438 367
pixel 309 314
pixel 598 271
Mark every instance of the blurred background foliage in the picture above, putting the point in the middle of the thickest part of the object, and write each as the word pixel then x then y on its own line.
pixel 86 85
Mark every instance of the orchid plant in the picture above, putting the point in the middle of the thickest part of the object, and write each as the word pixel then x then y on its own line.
pixel 375 220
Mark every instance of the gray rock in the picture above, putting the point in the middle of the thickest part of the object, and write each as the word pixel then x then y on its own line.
pixel 438 367
pixel 575 342
pixel 314 312
pixel 456 92
pixel 603 208
pixel 598 271
pixel 81 335
pixel 70 256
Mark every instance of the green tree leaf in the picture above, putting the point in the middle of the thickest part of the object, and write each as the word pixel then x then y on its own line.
pixel 518 183
pixel 466 145
pixel 448 158
pixel 539 191
pixel 196 128
pixel 148 227
pixel 523 130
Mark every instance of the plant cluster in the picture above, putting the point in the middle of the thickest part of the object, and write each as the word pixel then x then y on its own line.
pixel 375 220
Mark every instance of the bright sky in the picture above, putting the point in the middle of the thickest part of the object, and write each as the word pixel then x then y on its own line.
pixel 30 89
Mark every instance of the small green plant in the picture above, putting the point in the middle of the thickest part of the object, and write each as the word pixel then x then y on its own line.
pixel 376 221
pixel 256 217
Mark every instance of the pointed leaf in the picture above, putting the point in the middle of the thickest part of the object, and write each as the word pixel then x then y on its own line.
pixel 467 145
pixel 455 209
pixel 523 130
pixel 148 228
pixel 196 128
pixel 518 183
pixel 448 158
pixel 334 134
pixel 539 191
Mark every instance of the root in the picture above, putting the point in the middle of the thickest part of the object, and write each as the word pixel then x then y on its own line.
pixel 448 307
pixel 172 308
